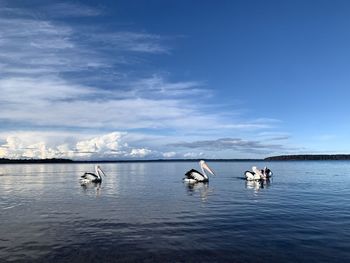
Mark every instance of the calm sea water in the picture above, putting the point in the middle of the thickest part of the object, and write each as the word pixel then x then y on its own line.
pixel 143 212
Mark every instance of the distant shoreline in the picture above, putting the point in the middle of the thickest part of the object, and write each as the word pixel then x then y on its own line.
pixel 310 157
pixel 55 160
pixel 303 157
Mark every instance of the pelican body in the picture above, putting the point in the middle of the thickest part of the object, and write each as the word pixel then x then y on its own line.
pixel 256 174
pixel 194 176
pixel 93 177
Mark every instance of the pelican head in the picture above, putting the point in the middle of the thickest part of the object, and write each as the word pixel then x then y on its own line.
pixel 267 172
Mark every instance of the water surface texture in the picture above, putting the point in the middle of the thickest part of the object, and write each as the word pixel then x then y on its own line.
pixel 143 212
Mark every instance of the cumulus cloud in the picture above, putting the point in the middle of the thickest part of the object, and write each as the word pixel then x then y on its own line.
pixel 140 153
pixel 16 147
pixel 41 145
pixel 102 144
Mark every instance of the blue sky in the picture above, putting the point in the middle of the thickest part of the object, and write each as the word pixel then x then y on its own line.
pixel 173 79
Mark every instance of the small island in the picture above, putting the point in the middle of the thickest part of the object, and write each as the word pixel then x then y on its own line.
pixel 309 157
pixel 61 160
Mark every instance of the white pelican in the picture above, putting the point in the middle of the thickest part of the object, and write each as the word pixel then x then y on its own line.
pixel 193 176
pixel 257 174
pixel 91 177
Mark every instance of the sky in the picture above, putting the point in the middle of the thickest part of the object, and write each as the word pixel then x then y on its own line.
pixel 109 80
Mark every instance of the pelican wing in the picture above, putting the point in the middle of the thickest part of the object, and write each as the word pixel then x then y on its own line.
pixel 89 176
pixel 194 174
pixel 249 175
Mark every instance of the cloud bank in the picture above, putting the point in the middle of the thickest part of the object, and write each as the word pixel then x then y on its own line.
pixel 47 145
pixel 236 144
pixel 43 61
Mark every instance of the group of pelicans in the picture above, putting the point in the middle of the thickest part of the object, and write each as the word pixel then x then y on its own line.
pixel 192 176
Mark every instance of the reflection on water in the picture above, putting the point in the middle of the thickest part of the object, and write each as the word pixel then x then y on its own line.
pixel 258 184
pixel 198 188
pixel 91 187
pixel 145 213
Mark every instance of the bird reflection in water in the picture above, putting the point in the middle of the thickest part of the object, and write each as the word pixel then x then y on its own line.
pixel 257 185
pixel 201 188
pixel 90 187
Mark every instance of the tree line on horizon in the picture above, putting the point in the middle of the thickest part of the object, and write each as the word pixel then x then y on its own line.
pixel 309 157
pixel 298 157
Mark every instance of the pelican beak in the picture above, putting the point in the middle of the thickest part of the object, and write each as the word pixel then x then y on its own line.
pixel 206 167
pixel 102 171
pixel 98 170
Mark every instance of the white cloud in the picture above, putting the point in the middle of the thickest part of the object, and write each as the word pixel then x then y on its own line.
pixel 71 10
pixel 39 46
pixel 132 41
pixel 48 145
pixel 26 147
pixel 140 153
pixel 193 155
pixel 52 101
pixel 102 144
pixel 28 90
pixel 169 154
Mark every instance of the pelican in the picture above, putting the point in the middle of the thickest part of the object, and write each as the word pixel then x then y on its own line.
pixel 257 174
pixel 193 176
pixel 93 177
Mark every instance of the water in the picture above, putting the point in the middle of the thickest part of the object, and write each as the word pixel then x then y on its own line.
pixel 143 212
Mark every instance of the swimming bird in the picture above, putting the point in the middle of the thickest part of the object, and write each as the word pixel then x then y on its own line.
pixel 257 174
pixel 93 177
pixel 193 176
